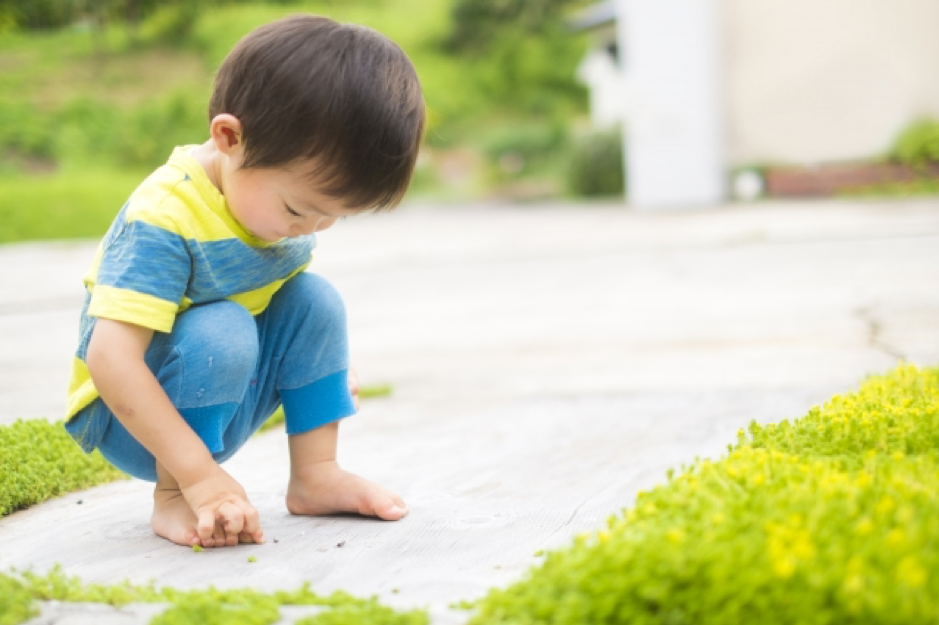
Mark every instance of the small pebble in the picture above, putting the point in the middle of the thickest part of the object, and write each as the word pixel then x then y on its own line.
pixel 341 543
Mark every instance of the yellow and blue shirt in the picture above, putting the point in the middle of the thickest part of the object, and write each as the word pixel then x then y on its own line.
pixel 175 244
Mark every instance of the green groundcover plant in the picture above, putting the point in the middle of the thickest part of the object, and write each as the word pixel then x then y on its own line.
pixel 20 592
pixel 833 518
pixel 39 460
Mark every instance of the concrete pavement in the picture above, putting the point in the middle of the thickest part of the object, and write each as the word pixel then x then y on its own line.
pixel 548 361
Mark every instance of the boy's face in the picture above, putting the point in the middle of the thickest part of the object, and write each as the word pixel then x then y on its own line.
pixel 273 204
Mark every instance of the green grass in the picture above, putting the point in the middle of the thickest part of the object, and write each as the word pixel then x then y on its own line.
pixel 83 121
pixel 62 205
pixel 77 109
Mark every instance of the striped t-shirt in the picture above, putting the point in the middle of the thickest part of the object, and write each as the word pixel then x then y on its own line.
pixel 173 245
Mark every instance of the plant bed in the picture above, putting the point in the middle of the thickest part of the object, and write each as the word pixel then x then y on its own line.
pixel 830 519
pixel 845 178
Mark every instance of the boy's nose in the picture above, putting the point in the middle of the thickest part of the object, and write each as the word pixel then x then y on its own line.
pixel 311 226
pixel 323 224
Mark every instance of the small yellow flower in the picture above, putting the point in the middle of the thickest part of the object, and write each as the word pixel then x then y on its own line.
pixel 854 584
pixel 675 536
pixel 895 537
pixel 910 572
pixel 885 505
pixel 784 567
pixel 864 527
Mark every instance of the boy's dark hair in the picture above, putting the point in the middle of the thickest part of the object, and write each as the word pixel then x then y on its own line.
pixel 343 95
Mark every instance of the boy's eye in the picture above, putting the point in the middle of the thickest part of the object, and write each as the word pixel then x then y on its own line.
pixel 292 211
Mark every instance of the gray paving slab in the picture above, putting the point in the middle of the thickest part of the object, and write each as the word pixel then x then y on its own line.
pixel 547 362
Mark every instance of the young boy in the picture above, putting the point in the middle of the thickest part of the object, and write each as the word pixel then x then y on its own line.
pixel 199 320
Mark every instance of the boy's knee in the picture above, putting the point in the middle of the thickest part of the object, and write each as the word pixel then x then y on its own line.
pixel 225 328
pixel 315 295
pixel 211 345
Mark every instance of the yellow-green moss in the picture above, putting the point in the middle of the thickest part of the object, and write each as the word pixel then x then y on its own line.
pixel 833 518
pixel 39 460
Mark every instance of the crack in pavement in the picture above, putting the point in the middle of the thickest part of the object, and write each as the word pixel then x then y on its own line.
pixel 875 331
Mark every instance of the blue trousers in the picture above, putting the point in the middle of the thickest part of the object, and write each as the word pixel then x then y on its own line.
pixel 227 372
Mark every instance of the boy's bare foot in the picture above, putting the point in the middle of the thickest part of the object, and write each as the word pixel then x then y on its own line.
pixel 325 488
pixel 172 517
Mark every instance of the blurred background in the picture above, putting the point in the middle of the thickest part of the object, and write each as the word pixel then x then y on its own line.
pixel 528 100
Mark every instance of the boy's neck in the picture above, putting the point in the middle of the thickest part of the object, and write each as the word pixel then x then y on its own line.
pixel 208 155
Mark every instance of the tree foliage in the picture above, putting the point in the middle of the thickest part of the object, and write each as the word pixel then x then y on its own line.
pixel 48 14
pixel 479 24
pixel 526 54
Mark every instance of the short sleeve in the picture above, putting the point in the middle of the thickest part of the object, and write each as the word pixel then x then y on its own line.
pixel 142 277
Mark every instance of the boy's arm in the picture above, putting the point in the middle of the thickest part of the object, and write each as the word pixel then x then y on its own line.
pixel 115 359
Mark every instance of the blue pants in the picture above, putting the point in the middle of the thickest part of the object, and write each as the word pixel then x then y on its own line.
pixel 227 372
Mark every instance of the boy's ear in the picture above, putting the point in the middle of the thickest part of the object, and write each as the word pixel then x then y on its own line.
pixel 226 131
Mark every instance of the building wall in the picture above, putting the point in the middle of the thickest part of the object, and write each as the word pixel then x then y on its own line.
pixel 809 81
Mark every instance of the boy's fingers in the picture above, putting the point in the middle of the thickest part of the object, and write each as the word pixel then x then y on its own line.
pixel 205 527
pixel 252 520
pixel 219 535
pixel 231 519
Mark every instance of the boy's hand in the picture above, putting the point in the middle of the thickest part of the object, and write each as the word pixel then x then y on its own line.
pixel 224 516
pixel 353 379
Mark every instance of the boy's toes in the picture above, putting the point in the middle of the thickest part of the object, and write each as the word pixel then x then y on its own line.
pixel 392 510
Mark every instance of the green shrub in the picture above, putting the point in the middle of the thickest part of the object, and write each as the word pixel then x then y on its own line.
pixel 170 23
pixel 519 148
pixel 39 460
pixel 833 518
pixel 596 165
pixel 918 143
pixel 24 131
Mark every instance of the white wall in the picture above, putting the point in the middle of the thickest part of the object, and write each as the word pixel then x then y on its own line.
pixel 817 80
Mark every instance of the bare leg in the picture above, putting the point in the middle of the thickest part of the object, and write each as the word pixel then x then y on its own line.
pixel 319 486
